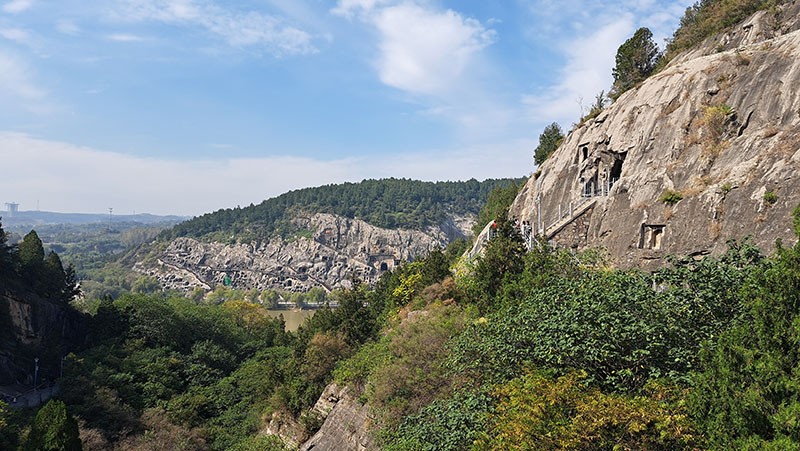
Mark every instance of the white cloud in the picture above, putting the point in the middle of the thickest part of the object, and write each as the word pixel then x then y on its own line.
pixel 17 6
pixel 425 51
pixel 587 72
pixel 238 29
pixel 78 179
pixel 421 50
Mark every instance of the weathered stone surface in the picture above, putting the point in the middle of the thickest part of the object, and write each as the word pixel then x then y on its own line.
pixel 673 133
pixel 339 250
pixel 347 422
pixel 31 326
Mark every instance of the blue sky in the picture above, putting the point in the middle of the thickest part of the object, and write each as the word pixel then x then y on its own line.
pixel 188 106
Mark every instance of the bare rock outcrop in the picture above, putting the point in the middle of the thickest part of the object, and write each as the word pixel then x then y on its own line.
pixel 705 151
pixel 334 251
pixel 347 422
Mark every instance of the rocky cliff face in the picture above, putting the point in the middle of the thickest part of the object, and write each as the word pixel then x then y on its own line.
pixel 704 151
pixel 347 423
pixel 32 327
pixel 337 250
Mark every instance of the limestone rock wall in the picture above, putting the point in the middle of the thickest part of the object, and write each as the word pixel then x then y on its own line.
pixel 347 423
pixel 338 250
pixel 720 128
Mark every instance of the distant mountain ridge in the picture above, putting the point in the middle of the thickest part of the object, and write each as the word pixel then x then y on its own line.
pixel 19 218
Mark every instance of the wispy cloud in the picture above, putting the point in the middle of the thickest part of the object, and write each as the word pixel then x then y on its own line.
pixel 16 79
pixel 237 29
pixel 124 37
pixel 17 6
pixel 78 179
pixel 17 35
pixel 68 27
pixel 598 29
pixel 587 71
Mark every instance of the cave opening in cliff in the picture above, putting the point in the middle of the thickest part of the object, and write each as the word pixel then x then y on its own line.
pixel 384 266
pixel 616 168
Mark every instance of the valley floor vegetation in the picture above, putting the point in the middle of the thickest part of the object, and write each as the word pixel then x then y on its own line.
pixel 545 349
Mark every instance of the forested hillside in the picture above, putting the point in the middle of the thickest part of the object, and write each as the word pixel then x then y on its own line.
pixel 528 345
pixel 388 203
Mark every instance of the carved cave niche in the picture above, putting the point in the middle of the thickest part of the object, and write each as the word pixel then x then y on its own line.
pixel 651 236
pixel 616 167
pixel 582 154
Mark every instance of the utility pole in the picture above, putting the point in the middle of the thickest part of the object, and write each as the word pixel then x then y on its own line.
pixel 110 210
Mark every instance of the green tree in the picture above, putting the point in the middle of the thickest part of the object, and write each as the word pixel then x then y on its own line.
pixel 503 257
pixel 549 140
pixel 31 250
pixel 747 394
pixel 53 429
pixel 6 254
pixel 636 59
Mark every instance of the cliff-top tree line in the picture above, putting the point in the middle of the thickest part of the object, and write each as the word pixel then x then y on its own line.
pixel 389 203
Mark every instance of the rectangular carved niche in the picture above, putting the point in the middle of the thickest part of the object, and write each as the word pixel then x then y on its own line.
pixel 651 236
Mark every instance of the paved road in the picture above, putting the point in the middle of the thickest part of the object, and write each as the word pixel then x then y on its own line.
pixel 26 397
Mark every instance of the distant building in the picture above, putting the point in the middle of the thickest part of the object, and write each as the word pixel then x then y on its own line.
pixel 12 208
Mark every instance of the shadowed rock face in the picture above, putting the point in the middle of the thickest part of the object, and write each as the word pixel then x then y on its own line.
pixel 718 129
pixel 338 250
pixel 33 327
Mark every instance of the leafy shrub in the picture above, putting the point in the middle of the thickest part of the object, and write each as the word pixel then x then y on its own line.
pixel 770 197
pixel 670 197
pixel 612 324
pixel 449 424
pixel 715 119
pixel 537 411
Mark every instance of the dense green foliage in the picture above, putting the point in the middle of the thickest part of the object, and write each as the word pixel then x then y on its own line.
pixel 25 267
pixel 707 17
pixel 748 392
pixel 549 140
pixel 53 429
pixel 636 59
pixel 389 203
pixel 529 349
pixel 160 358
pixel 96 253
